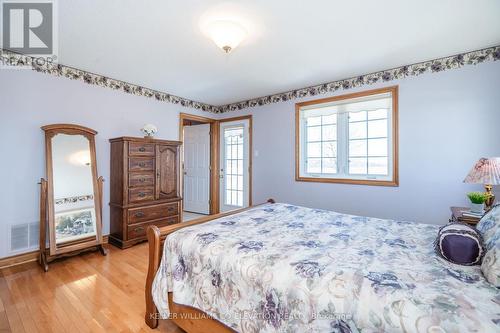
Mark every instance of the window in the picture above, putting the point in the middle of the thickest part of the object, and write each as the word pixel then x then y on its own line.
pixel 349 139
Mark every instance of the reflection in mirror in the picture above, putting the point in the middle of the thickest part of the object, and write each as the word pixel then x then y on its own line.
pixel 74 206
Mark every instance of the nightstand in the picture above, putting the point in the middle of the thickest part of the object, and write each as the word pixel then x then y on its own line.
pixel 456 216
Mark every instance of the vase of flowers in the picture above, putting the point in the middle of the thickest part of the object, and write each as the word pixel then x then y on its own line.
pixel 149 130
pixel 477 200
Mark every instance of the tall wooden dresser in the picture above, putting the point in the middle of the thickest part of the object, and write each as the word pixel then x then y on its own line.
pixel 144 187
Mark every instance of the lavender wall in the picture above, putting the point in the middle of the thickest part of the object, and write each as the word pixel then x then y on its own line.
pixel 29 100
pixel 447 121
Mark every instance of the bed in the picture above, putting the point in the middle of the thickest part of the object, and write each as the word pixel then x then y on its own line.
pixel 283 268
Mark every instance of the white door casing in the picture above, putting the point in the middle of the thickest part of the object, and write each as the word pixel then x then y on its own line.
pixel 234 164
pixel 197 168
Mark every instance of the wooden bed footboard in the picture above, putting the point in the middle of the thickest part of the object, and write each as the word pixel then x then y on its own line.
pixel 156 236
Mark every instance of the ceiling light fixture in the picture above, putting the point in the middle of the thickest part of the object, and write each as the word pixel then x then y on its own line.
pixel 226 34
pixel 80 158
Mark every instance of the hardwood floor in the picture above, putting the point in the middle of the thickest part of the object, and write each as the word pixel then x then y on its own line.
pixel 188 216
pixel 86 293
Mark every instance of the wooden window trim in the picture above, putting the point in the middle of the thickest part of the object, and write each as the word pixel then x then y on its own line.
pixel 395 139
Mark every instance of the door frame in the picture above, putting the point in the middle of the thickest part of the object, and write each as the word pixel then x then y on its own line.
pixel 215 156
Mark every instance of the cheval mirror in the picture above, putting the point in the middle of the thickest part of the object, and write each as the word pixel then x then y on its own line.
pixel 71 195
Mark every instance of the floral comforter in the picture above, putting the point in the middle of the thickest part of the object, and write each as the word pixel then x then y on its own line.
pixel 284 268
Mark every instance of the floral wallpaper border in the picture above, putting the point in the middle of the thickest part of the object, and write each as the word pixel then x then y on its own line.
pixel 15 59
pixel 69 200
pixel 431 66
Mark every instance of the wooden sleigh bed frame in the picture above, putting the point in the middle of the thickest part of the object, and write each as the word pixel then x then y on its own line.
pixel 188 318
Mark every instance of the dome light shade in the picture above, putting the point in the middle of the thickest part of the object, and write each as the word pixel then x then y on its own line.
pixel 80 158
pixel 226 34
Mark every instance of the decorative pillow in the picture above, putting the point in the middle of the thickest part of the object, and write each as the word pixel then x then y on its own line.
pixel 460 244
pixel 489 227
pixel 491 266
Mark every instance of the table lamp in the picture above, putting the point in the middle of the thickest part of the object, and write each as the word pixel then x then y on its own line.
pixel 487 172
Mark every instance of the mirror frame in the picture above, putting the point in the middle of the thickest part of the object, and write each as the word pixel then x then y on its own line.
pixel 70 129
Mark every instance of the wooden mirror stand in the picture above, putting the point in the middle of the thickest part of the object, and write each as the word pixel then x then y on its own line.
pixel 71 195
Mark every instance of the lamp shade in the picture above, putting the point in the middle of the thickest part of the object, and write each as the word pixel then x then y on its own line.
pixel 486 171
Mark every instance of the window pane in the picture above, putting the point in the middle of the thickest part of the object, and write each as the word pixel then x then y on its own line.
pixel 314 165
pixel 240 150
pixel 357 116
pixel 234 184
pixel 329 132
pixel 329 149
pixel 240 167
pixel 234 197
pixel 240 183
pixel 314 133
pixel 331 119
pixel 378 166
pixel 329 165
pixel 377 147
pixel 234 151
pixel 357 166
pixel 234 167
pixel 313 121
pixel 357 148
pixel 240 198
pixel 377 128
pixel 377 114
pixel 228 167
pixel 314 149
pixel 357 130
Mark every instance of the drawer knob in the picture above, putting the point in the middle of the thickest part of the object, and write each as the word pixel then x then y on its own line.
pixel 170 209
pixel 139 214
pixel 142 180
pixel 142 164
pixel 139 229
pixel 142 194
pixel 142 149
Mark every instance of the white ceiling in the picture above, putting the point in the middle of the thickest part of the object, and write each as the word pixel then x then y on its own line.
pixel 292 43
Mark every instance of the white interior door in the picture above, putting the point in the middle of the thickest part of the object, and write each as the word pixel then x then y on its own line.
pixel 234 164
pixel 197 168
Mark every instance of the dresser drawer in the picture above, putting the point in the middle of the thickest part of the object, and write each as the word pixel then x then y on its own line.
pixel 139 230
pixel 137 215
pixel 141 179
pixel 141 164
pixel 141 149
pixel 141 194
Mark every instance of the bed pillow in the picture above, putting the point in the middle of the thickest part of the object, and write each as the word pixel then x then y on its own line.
pixel 489 227
pixel 460 244
pixel 491 266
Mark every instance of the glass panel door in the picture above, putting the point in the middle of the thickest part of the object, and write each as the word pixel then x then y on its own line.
pixel 234 165
pixel 233 184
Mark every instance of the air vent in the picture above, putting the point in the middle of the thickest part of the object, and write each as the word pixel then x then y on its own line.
pixel 34 234
pixel 24 236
